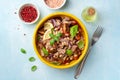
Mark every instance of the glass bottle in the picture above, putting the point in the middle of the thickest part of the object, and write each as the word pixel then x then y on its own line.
pixel 89 14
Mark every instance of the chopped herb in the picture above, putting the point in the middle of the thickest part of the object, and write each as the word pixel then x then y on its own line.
pixel 23 51
pixel 69 52
pixel 45 51
pixel 34 68
pixel 73 31
pixel 51 35
pixel 32 59
pixel 38 37
pixel 52 41
pixel 56 63
pixel 81 44
pixel 58 35
pixel 54 37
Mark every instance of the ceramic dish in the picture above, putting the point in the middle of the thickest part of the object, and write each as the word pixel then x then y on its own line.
pixel 85 34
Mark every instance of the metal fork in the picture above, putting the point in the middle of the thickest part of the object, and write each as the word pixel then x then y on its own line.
pixel 95 38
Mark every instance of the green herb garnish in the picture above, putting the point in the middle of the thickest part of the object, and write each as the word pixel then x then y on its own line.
pixel 32 59
pixel 52 41
pixel 73 31
pixel 80 44
pixel 58 35
pixel 23 51
pixel 69 52
pixel 45 51
pixel 56 63
pixel 54 37
pixel 51 35
pixel 34 68
pixel 38 38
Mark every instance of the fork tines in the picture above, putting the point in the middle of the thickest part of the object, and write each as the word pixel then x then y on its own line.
pixel 98 31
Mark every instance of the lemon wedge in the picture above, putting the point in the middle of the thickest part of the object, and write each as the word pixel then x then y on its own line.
pixel 46 35
pixel 48 25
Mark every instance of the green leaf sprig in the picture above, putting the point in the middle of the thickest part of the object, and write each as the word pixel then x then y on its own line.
pixel 54 38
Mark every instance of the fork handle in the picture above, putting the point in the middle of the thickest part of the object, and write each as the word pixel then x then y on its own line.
pixel 81 65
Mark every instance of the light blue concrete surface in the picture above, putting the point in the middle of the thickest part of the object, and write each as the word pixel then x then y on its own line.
pixel 103 62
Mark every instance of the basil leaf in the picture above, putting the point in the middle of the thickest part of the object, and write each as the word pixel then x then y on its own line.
pixel 56 63
pixel 23 51
pixel 81 44
pixel 38 38
pixel 52 41
pixel 54 38
pixel 69 52
pixel 51 35
pixel 34 68
pixel 58 35
pixel 32 59
pixel 45 51
pixel 73 31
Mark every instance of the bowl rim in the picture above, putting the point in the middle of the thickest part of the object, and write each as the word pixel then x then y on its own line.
pixel 85 35
pixel 27 4
pixel 56 7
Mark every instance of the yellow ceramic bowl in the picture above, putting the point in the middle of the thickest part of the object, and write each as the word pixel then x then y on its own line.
pixel 85 35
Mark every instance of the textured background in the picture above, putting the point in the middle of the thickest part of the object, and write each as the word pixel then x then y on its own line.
pixel 103 62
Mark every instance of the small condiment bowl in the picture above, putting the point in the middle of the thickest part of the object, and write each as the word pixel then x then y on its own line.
pixel 55 7
pixel 32 5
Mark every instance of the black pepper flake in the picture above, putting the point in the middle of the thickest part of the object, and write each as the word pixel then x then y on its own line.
pixel 15 12
pixel 18 28
pixel 24 34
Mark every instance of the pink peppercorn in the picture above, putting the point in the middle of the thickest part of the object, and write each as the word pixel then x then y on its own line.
pixel 28 13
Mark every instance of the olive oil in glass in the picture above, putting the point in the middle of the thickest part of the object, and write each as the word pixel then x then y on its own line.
pixel 89 14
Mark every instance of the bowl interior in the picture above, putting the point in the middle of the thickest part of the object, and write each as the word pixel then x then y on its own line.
pixel 85 34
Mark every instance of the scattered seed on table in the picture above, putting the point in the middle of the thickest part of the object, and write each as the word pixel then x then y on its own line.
pixel 24 34
pixel 15 12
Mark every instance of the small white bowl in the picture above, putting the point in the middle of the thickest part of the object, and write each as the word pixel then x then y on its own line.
pixel 34 6
pixel 56 7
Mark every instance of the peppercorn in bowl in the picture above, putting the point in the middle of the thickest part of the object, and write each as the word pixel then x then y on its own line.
pixel 29 13
pixel 60 40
